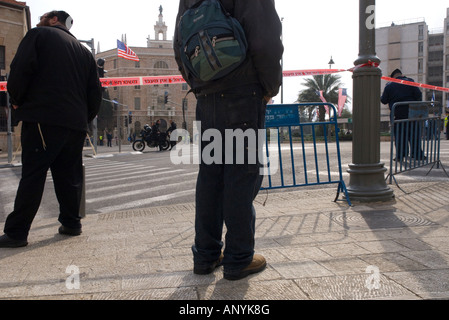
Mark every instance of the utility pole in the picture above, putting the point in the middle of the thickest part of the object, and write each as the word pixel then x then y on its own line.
pixel 282 62
pixel 9 128
pixel 91 45
pixel 119 108
pixel 184 107
pixel 367 173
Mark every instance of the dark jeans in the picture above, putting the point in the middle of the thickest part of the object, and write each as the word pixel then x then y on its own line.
pixel 225 191
pixel 408 139
pixel 63 155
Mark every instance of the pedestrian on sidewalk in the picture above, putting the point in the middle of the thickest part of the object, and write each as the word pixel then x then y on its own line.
pixel 396 92
pixel 225 191
pixel 109 138
pixel 173 137
pixel 55 91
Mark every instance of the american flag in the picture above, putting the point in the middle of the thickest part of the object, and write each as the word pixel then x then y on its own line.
pixel 125 52
pixel 342 96
pixel 320 94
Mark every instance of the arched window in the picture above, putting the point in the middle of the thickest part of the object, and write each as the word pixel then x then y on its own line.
pixel 161 65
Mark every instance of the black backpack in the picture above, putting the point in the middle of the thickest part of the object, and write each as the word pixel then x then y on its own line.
pixel 213 43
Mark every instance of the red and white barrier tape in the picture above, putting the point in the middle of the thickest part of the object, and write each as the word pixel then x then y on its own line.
pixel 416 84
pixel 148 81
pixel 141 81
pixel 312 72
pixel 300 73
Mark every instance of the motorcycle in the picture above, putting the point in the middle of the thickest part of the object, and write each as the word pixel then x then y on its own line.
pixel 160 141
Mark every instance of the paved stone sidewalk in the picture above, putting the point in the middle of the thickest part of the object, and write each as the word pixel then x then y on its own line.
pixel 315 248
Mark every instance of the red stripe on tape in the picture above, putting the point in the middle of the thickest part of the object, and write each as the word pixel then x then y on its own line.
pixel 120 82
pixel 416 84
pixel 148 81
pixel 162 80
pixel 313 72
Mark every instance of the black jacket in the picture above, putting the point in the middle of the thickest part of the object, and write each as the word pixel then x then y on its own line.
pixel 263 31
pixel 54 80
pixel 396 92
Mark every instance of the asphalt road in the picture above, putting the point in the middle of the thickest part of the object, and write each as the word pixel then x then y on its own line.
pixel 116 182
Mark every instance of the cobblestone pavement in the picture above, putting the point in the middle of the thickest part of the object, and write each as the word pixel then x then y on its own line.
pixel 316 250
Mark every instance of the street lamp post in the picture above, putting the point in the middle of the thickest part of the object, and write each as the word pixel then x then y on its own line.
pixel 91 45
pixel 367 173
pixel 282 61
pixel 331 62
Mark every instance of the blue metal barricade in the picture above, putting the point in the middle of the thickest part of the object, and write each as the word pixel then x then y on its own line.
pixel 415 141
pixel 300 150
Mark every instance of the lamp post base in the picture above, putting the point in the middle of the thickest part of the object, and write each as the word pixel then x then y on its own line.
pixel 367 183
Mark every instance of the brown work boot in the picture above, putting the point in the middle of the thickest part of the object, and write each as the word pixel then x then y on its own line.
pixel 257 265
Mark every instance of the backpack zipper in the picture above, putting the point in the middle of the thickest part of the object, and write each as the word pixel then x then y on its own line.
pixel 215 40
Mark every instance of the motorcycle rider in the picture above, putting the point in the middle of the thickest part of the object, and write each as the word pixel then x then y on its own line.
pixel 152 137
pixel 155 132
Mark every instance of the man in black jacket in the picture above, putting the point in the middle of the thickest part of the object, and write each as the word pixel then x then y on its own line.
pixel 225 191
pixel 55 91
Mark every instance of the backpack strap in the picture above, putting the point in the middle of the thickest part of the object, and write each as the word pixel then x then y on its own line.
pixel 196 4
pixel 208 50
pixel 229 13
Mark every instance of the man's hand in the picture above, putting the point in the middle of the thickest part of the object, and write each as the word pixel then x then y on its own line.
pixel 267 99
pixel 15 107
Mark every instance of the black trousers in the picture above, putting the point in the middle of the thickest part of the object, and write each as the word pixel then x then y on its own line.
pixel 60 150
pixel 225 191
pixel 408 139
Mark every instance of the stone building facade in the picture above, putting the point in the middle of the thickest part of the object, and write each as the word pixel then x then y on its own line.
pixel 15 21
pixel 146 104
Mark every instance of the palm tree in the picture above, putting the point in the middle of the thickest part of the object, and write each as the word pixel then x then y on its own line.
pixel 328 83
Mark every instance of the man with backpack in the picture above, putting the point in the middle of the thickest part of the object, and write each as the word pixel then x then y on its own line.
pixel 229 52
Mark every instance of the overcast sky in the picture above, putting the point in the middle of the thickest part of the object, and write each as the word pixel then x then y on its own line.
pixel 313 30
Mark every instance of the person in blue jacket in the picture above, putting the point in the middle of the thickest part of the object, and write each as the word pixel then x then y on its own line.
pixel 396 92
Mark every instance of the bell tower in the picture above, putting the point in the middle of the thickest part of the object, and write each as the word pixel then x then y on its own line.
pixel 160 27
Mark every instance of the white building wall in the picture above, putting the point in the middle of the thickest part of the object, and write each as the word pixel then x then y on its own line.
pixel 398 46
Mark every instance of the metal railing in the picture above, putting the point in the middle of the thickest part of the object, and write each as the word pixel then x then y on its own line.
pixel 415 141
pixel 304 148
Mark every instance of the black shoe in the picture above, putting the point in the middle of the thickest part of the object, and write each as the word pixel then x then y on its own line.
pixel 202 271
pixel 7 242
pixel 69 231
